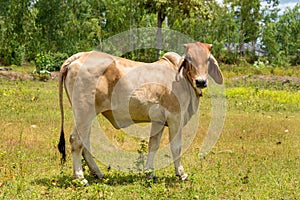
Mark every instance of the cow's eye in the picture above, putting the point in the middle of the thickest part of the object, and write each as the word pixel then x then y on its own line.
pixel 188 58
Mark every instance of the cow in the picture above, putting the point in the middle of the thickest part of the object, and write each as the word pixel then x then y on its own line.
pixel 90 80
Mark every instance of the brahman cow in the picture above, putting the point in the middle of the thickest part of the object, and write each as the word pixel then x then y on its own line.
pixel 169 96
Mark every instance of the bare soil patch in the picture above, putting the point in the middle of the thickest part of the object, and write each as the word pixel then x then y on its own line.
pixel 8 74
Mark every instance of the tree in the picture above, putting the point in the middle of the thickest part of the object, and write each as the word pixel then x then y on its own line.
pixel 72 26
pixel 17 29
pixel 163 8
pixel 30 27
pixel 269 29
pixel 281 37
pixel 288 28
pixel 248 16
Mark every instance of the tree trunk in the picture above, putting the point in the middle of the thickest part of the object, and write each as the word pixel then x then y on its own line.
pixel 100 19
pixel 241 37
pixel 160 19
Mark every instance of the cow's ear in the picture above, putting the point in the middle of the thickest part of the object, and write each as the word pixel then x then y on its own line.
pixel 179 74
pixel 180 63
pixel 209 46
pixel 214 70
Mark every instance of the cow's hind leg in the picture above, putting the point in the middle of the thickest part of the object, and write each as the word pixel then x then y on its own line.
pixel 77 148
pixel 88 157
pixel 79 140
pixel 157 129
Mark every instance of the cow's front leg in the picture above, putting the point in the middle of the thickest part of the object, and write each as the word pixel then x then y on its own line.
pixel 157 129
pixel 175 131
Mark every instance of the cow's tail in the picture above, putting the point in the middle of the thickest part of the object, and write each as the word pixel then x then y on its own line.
pixel 62 142
pixel 62 76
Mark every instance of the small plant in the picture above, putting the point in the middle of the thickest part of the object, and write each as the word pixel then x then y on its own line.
pixel 261 64
pixel 47 62
pixel 43 62
pixel 140 162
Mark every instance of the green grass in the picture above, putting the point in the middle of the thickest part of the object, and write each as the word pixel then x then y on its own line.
pixel 257 156
pixel 250 70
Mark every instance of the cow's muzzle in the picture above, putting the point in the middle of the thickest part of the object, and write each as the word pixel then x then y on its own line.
pixel 201 83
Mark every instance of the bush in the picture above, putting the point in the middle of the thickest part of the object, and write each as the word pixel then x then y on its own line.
pixel 43 62
pixel 281 60
pixel 47 62
pixel 19 56
pixel 295 60
pixel 14 55
pixel 227 57
pixel 58 59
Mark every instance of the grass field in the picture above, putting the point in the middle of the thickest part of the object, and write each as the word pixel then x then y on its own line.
pixel 257 156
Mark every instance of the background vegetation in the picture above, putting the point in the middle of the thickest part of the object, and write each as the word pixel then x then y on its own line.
pixel 30 29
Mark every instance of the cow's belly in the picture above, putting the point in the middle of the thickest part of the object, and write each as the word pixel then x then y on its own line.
pixel 146 111
pixel 138 111
pixel 122 119
pixel 135 112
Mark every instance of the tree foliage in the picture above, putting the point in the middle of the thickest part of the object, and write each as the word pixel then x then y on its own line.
pixel 282 38
pixel 30 28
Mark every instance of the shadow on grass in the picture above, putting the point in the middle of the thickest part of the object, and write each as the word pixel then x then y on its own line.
pixel 118 178
pixel 111 179
pixel 62 181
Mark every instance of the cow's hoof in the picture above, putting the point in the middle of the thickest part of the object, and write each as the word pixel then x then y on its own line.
pixel 84 182
pixel 152 177
pixel 150 174
pixel 98 175
pixel 180 173
pixel 182 177
pixel 80 182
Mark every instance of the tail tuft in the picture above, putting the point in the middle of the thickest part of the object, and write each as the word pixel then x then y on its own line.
pixel 62 147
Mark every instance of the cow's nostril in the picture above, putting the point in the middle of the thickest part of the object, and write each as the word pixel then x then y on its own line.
pixel 201 83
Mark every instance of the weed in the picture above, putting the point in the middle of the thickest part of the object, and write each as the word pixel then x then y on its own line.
pixel 140 162
pixel 255 99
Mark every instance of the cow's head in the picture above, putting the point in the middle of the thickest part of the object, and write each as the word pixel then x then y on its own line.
pixel 197 63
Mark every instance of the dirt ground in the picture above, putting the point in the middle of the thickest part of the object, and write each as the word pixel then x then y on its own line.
pixel 7 73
